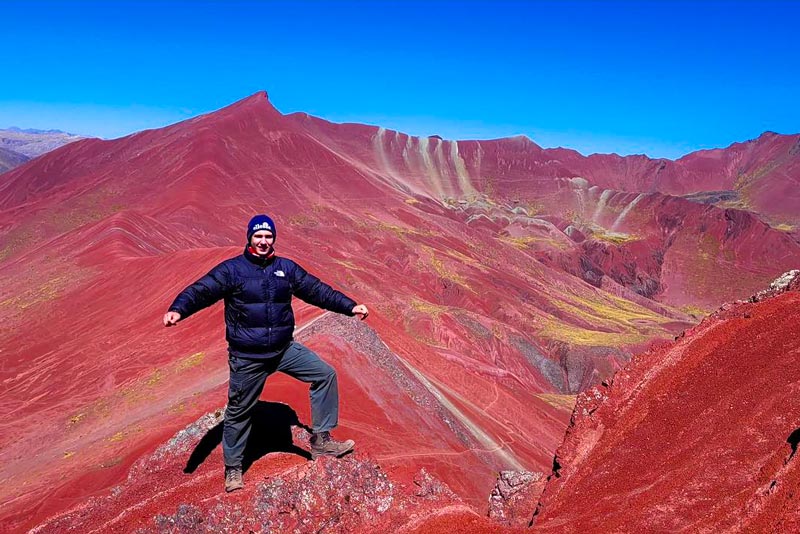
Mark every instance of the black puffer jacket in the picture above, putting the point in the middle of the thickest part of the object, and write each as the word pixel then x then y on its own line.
pixel 258 301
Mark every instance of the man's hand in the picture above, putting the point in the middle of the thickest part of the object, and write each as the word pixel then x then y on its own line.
pixel 361 311
pixel 171 318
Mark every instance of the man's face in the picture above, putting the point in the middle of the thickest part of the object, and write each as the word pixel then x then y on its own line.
pixel 262 242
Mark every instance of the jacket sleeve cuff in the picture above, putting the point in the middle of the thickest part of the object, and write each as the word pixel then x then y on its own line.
pixel 350 305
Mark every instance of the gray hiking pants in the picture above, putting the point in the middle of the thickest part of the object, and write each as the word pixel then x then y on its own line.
pixel 247 383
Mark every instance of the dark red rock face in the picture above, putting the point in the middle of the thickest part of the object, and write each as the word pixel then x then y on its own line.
pixel 699 435
pixel 502 279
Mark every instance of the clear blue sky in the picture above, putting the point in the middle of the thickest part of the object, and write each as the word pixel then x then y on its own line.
pixel 657 77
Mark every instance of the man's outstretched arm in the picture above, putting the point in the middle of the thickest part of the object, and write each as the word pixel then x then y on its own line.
pixel 201 294
pixel 314 291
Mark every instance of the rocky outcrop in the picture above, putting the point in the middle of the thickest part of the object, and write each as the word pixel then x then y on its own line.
pixel 514 495
pixel 178 489
pixel 348 495
pixel 788 281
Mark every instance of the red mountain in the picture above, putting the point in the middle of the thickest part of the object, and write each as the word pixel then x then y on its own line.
pixel 502 278
pixel 698 435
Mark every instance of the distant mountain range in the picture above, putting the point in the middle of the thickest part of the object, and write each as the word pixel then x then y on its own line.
pixel 19 145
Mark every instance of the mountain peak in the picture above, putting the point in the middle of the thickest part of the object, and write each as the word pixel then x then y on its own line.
pixel 257 102
pixel 255 107
pixel 258 96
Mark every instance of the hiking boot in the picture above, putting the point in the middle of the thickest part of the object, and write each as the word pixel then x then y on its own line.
pixel 322 444
pixel 233 479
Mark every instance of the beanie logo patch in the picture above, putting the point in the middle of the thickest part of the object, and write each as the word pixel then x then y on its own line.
pixel 262 226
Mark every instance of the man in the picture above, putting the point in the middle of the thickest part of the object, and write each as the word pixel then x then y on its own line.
pixel 257 287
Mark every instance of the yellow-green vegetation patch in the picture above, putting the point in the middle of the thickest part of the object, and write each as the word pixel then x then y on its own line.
pixel 741 203
pixel 411 201
pixel 575 335
pixel 86 208
pixel 420 338
pixel 433 311
pixel 75 419
pixel 463 258
pixel 498 332
pixel 119 436
pixel 784 227
pixel 459 257
pixel 617 238
pixel 695 311
pixel 389 309
pixel 522 243
pixel 564 402
pixel 746 181
pixel 16 239
pixel 400 231
pixel 618 321
pixel 607 310
pixel 428 308
pixel 442 270
pixel 303 220
pixel 48 291
pixel 346 263
pixel 530 241
pixel 100 408
pixel 37 291
pixel 142 389
pixel 603 234
pixel 531 207
pixel 416 333
pixel 190 361
pixel 139 390
pixel 154 378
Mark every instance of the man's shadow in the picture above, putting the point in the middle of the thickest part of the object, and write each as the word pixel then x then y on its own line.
pixel 271 432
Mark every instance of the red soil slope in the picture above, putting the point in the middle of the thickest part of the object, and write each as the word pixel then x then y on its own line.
pixel 178 487
pixel 503 280
pixel 699 435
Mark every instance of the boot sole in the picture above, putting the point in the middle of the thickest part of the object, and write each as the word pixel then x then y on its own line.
pixel 315 455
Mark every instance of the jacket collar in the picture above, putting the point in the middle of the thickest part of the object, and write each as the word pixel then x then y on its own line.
pixel 256 259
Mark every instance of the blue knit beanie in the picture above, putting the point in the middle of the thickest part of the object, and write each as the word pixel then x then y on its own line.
pixel 260 222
